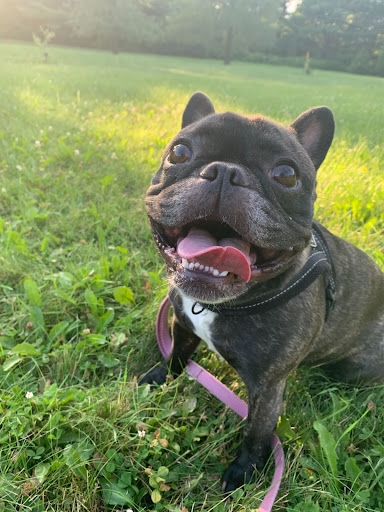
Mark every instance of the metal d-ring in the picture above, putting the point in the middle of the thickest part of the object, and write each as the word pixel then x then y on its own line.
pixel 198 312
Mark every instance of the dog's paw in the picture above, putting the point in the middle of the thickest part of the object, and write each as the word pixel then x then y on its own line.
pixel 240 472
pixel 157 376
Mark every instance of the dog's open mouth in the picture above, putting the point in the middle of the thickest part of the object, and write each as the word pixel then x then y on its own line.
pixel 210 248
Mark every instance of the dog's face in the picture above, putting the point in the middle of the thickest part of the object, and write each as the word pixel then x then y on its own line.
pixel 232 202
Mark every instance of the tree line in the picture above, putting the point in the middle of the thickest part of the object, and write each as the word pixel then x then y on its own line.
pixel 347 35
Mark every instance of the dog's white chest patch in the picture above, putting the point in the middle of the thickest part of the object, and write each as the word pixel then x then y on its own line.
pixel 201 323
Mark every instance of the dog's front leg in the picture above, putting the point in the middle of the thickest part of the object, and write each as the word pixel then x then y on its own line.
pixel 184 343
pixel 264 407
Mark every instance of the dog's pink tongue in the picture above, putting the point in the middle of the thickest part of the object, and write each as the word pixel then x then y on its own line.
pixel 230 254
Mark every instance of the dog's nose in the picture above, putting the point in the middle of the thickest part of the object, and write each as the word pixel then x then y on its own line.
pixel 232 173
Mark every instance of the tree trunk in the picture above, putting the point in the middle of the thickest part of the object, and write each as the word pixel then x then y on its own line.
pixel 228 46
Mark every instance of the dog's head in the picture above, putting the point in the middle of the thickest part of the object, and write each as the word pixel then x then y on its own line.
pixel 232 202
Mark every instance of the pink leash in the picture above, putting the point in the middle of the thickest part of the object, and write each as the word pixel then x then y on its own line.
pixel 224 394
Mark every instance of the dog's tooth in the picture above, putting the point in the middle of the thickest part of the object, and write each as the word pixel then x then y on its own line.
pixel 197 264
pixel 206 269
pixel 211 269
pixel 215 273
pixel 191 266
pixel 201 267
pixel 224 273
pixel 184 262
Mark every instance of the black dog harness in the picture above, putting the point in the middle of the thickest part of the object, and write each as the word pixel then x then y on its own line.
pixel 319 263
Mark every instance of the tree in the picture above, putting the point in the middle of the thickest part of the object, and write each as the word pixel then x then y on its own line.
pixel 43 40
pixel 20 19
pixel 244 20
pixel 221 28
pixel 348 30
pixel 158 9
pixel 119 24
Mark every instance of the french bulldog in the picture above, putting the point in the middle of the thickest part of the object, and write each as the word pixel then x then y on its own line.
pixel 231 210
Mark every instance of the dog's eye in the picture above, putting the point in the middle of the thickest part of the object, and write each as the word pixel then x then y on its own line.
pixel 285 175
pixel 180 154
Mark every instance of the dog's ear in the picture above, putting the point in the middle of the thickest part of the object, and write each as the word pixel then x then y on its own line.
pixel 198 107
pixel 315 129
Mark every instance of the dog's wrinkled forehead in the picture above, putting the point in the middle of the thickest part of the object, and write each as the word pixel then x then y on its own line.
pixel 235 138
pixel 237 129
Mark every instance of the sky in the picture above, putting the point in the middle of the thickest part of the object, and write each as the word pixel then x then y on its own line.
pixel 292 4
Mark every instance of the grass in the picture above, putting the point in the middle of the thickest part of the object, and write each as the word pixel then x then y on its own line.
pixel 81 281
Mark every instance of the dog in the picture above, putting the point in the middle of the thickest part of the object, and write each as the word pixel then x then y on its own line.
pixel 250 272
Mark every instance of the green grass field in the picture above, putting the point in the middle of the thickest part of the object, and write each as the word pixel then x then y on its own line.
pixel 81 282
